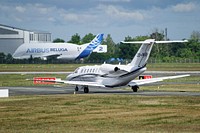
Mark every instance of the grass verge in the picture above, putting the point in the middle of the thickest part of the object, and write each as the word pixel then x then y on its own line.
pixel 173 67
pixel 38 67
pixel 72 67
pixel 20 80
pixel 99 113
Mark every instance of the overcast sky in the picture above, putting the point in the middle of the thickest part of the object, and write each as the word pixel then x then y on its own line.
pixel 120 18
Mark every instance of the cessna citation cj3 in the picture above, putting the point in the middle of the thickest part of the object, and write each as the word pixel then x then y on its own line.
pixel 107 75
pixel 66 51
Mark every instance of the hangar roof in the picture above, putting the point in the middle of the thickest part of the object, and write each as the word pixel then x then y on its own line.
pixel 11 27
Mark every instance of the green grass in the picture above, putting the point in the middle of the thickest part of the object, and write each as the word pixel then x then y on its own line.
pixel 72 67
pixel 173 67
pixel 99 113
pixel 38 67
pixel 172 88
pixel 20 80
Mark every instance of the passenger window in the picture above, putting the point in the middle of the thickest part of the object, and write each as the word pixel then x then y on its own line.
pixel 82 70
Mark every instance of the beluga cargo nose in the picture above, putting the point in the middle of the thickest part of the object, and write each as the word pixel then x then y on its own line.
pixel 18 53
pixel 21 52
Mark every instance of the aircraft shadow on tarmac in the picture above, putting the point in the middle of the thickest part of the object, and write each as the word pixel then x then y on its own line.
pixel 107 92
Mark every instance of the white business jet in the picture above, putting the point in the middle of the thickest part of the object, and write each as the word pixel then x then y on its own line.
pixel 66 51
pixel 108 75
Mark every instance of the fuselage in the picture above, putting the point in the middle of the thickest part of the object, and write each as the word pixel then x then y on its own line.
pixel 61 50
pixel 67 51
pixel 108 79
pixel 108 75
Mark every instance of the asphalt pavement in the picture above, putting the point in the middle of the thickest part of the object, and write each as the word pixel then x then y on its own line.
pixel 54 90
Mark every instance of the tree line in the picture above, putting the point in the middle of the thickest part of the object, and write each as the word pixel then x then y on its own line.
pixel 164 53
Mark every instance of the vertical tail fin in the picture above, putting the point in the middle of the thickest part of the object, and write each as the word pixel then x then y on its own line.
pixel 95 42
pixel 89 47
pixel 143 53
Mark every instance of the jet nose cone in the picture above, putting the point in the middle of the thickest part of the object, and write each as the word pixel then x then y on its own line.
pixel 14 55
pixel 69 77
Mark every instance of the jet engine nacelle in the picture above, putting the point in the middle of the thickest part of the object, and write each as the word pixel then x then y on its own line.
pixel 108 68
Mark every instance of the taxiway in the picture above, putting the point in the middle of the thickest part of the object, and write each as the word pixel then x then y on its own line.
pixel 54 90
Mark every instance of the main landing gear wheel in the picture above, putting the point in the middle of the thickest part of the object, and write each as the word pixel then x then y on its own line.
pixel 86 89
pixel 76 88
pixel 135 88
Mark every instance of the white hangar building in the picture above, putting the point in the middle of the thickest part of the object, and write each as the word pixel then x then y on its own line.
pixel 11 38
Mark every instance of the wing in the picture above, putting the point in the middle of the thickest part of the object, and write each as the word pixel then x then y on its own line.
pixel 153 80
pixel 82 83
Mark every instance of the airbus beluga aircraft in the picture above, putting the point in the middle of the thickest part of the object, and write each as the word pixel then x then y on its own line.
pixel 108 75
pixel 66 51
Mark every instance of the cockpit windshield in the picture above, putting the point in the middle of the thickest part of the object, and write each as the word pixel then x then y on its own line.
pixel 76 71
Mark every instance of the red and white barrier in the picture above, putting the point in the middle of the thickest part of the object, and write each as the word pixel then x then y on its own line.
pixel 145 76
pixel 44 80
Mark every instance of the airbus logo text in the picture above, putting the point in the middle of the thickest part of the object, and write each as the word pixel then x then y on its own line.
pixel 45 50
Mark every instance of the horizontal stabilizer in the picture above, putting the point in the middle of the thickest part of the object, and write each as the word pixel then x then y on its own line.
pixel 175 41
pixel 141 42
